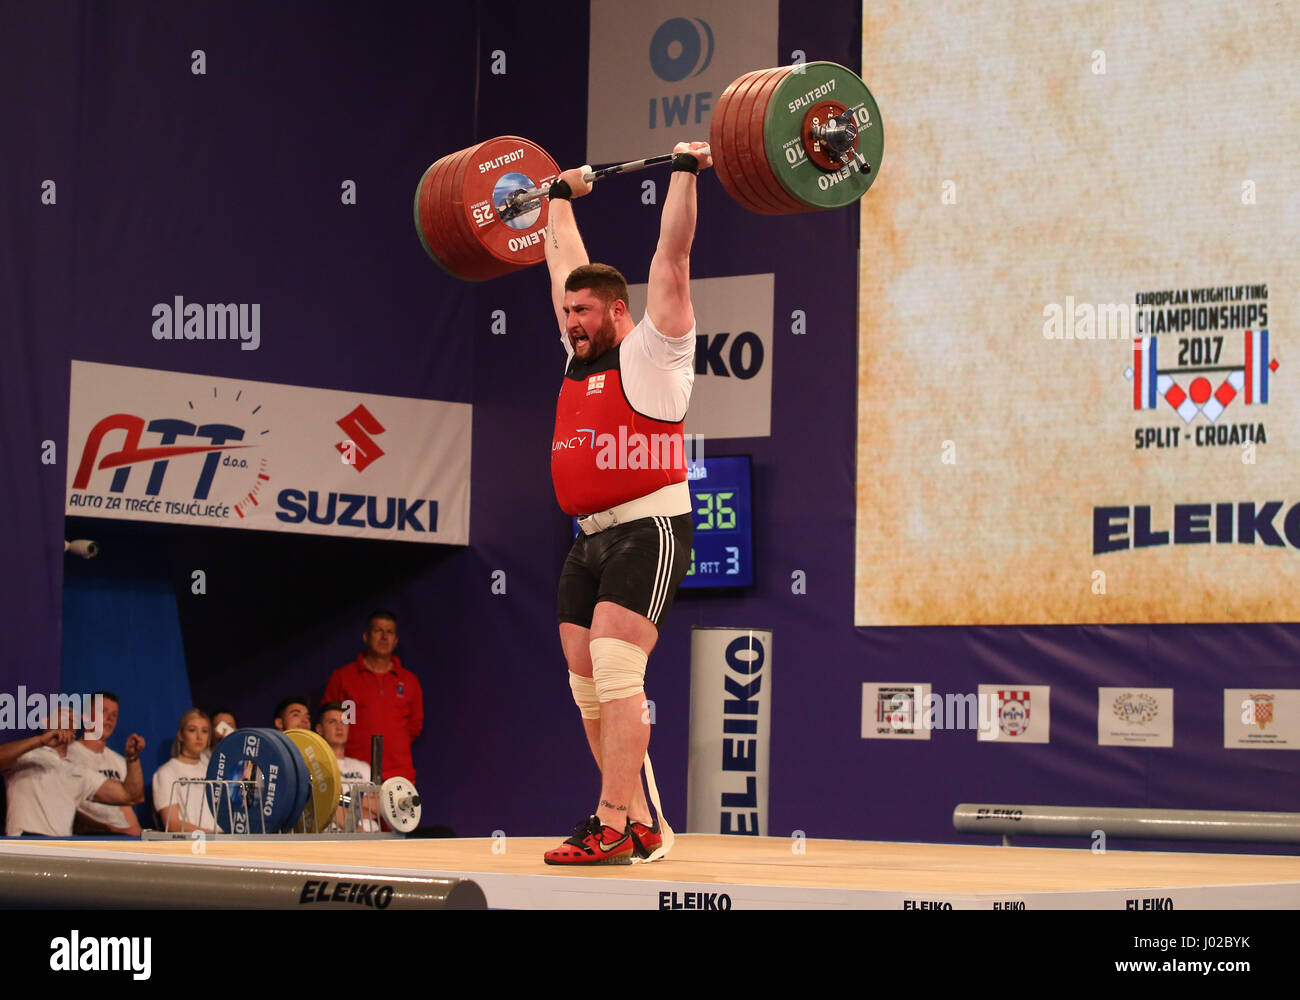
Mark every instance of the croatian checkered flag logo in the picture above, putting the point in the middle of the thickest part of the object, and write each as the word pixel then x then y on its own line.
pixel 1249 379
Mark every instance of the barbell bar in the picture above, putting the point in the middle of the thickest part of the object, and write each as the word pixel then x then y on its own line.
pixel 784 140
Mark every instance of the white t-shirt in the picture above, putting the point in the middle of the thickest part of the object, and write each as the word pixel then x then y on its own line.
pixel 191 798
pixel 110 764
pixel 657 372
pixel 353 770
pixel 357 771
pixel 43 790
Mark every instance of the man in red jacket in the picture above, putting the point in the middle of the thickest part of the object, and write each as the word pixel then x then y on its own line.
pixel 386 696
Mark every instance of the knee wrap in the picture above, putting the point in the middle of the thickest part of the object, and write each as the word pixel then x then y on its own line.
pixel 584 693
pixel 618 668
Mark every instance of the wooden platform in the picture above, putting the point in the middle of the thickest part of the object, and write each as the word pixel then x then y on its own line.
pixel 714 872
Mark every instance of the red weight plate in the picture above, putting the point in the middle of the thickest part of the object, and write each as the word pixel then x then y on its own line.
pixel 426 209
pixel 734 136
pixel 468 259
pixel 475 262
pixel 421 206
pixel 443 247
pixel 722 139
pixel 496 169
pixel 754 167
pixel 753 150
pixel 759 142
pixel 722 156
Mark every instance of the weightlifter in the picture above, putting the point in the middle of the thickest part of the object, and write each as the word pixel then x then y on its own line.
pixel 626 387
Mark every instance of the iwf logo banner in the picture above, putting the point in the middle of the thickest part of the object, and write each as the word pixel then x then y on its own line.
pixel 657 70
pixel 180 448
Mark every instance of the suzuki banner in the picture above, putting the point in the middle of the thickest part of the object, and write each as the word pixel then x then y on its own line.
pixel 182 448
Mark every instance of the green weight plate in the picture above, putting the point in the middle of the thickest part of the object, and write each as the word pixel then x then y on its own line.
pixel 785 142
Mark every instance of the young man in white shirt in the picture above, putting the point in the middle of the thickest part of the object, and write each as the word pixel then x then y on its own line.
pixel 44 787
pixel 334 730
pixel 92 753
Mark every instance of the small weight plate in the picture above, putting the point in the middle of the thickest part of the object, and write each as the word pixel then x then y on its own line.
pixel 817 150
pixel 784 141
pixel 399 804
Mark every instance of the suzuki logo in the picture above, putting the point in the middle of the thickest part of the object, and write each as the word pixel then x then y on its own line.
pixel 360 449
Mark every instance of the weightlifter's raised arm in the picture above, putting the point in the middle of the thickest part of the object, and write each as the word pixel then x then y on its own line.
pixel 564 249
pixel 668 296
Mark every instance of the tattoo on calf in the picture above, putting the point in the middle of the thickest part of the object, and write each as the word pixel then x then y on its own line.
pixel 610 805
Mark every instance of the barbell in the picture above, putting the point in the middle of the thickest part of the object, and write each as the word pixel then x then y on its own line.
pixel 789 139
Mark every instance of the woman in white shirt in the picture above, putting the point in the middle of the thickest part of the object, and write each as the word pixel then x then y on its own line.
pixel 185 807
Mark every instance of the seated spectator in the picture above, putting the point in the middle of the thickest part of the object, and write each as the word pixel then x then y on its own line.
pixel 92 753
pixel 334 730
pixel 184 808
pixel 44 787
pixel 223 724
pixel 293 713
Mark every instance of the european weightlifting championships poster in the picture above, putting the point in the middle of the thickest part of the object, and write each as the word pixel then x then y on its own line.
pixel 1079 400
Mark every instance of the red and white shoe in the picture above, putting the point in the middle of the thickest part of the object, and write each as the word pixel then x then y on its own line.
pixel 645 839
pixel 593 843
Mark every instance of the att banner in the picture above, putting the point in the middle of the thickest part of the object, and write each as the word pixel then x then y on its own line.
pixel 1077 397
pixel 180 448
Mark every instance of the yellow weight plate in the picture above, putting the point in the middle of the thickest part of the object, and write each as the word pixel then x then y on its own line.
pixel 326 781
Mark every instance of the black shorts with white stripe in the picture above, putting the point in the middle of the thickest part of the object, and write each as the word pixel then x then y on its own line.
pixel 638 565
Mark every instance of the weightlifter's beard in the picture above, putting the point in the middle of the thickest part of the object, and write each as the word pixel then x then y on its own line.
pixel 600 343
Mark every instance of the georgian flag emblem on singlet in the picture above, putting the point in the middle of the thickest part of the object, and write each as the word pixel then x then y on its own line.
pixel 596 384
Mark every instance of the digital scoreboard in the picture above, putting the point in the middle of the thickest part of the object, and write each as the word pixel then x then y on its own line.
pixel 722 553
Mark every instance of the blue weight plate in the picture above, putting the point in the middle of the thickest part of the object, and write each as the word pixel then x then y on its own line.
pixel 303 777
pixel 277 788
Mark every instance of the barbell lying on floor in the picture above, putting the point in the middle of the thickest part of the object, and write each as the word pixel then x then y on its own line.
pixel 787 139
